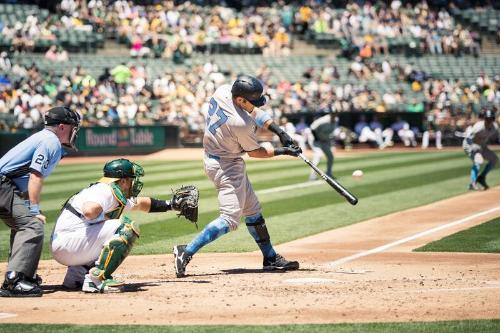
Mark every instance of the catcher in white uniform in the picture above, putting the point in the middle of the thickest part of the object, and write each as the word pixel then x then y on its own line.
pixel 92 237
pixel 475 146
pixel 232 120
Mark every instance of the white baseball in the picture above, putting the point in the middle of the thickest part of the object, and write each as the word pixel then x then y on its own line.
pixel 357 173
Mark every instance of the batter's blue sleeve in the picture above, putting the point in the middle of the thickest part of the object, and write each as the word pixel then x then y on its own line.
pixel 261 117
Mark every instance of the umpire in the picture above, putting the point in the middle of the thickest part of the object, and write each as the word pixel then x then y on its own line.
pixel 22 171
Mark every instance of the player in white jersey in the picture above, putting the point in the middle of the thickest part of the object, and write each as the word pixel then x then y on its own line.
pixel 475 146
pixel 232 120
pixel 91 230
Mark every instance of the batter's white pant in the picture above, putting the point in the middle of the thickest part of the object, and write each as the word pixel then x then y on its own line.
pixel 82 246
pixel 235 193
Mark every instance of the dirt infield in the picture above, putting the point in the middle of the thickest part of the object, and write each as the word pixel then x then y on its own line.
pixel 338 281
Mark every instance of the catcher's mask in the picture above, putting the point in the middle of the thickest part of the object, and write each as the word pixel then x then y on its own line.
pixel 123 168
pixel 64 115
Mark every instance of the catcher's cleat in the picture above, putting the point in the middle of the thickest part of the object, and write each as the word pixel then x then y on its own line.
pixel 280 263
pixel 482 180
pixel 181 259
pixel 93 283
pixel 17 285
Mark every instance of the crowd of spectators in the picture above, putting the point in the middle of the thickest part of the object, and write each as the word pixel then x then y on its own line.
pixel 166 29
pixel 30 27
pixel 163 28
pixel 129 94
pixel 370 28
pixel 123 95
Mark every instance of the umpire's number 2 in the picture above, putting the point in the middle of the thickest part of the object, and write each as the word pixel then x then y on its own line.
pixel 39 160
pixel 215 109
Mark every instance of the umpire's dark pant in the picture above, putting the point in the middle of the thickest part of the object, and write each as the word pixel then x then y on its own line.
pixel 26 235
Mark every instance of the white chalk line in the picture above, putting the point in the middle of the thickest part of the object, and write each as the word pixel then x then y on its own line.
pixel 5 315
pixel 410 238
pixel 290 187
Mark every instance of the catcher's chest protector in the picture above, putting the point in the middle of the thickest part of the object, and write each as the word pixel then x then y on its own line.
pixel 115 213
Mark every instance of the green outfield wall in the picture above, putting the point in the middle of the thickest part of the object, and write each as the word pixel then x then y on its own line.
pixel 115 140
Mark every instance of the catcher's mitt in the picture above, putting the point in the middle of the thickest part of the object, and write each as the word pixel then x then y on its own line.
pixel 185 201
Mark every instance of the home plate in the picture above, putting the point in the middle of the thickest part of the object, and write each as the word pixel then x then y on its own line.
pixel 310 281
pixel 4 315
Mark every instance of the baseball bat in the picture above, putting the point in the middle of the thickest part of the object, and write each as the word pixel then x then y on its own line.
pixel 332 182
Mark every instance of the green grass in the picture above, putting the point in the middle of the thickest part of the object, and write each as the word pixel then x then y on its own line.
pixel 465 326
pixel 392 182
pixel 481 238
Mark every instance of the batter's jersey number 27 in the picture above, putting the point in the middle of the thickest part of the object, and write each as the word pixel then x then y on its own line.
pixel 213 123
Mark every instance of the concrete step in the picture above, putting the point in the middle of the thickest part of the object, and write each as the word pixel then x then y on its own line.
pixel 489 46
pixel 111 47
pixel 300 47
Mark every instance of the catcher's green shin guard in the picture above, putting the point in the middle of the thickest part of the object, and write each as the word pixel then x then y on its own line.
pixel 117 249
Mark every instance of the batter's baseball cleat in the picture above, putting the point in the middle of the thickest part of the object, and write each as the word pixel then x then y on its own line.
pixel 181 259
pixel 16 285
pixel 482 180
pixel 280 263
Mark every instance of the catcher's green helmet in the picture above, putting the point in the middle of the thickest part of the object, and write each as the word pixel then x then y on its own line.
pixel 123 168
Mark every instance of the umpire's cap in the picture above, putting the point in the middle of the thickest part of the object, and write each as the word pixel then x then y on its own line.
pixel 62 115
pixel 250 88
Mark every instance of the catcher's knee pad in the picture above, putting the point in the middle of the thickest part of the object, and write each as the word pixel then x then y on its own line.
pixel 118 248
pixel 256 225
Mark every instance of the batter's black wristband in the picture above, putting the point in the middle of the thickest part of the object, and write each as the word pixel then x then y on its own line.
pixel 279 151
pixel 159 206
pixel 276 129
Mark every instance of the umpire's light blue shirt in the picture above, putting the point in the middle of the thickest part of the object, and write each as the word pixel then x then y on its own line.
pixel 41 152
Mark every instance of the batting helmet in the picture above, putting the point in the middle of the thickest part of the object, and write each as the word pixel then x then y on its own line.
pixel 123 168
pixel 62 115
pixel 250 88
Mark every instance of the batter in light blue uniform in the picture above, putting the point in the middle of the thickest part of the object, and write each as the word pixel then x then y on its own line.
pixel 232 120
pixel 22 170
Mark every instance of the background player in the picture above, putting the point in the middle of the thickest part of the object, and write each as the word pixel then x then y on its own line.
pixel 430 126
pixel 22 171
pixel 475 146
pixel 92 231
pixel 402 129
pixel 322 131
pixel 232 120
